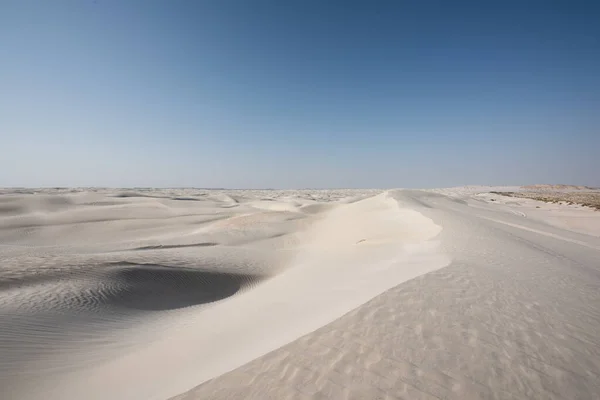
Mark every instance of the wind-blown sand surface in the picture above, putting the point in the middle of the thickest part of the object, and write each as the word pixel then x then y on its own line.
pixel 197 294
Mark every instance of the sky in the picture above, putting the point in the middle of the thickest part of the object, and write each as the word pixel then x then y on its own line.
pixel 299 94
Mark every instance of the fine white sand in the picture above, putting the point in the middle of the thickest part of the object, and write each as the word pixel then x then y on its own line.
pixel 198 294
pixel 142 295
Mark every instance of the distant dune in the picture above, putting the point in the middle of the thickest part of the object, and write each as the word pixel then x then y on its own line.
pixel 558 187
pixel 581 195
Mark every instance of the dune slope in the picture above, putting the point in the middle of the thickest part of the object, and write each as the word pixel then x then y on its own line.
pixel 134 295
pixel 515 315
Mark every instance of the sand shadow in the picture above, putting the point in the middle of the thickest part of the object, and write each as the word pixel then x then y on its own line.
pixel 80 312
pixel 174 246
pixel 135 287
pixel 160 288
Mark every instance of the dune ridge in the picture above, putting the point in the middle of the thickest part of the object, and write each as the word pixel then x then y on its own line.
pixel 514 316
pixel 113 289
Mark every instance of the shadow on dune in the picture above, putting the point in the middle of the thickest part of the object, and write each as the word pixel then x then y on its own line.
pixel 125 195
pixel 185 199
pixel 76 314
pixel 135 287
pixel 175 246
pixel 138 194
pixel 159 288
pixel 11 209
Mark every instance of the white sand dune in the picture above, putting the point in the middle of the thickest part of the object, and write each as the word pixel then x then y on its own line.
pixel 112 287
pixel 149 294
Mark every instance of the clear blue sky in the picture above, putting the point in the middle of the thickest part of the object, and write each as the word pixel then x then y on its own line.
pixel 223 93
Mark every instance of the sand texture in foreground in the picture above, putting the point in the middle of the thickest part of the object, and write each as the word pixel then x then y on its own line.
pixel 193 294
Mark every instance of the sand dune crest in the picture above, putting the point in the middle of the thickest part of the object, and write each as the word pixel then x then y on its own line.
pixel 155 287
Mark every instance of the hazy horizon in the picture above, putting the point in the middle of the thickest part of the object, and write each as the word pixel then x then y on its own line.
pixel 283 188
pixel 233 94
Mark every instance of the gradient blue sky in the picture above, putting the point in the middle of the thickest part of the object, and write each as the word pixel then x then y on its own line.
pixel 288 94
